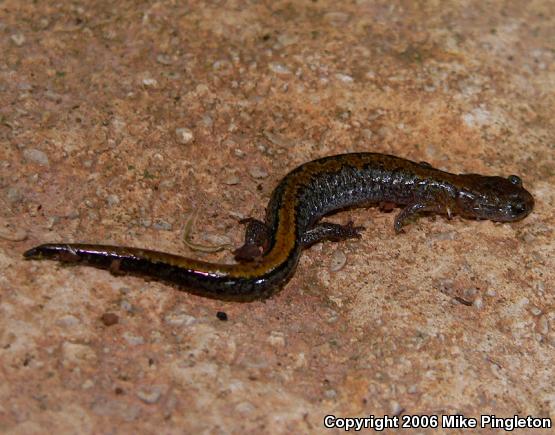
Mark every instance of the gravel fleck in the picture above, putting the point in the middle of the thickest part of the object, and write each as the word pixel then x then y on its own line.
pixel 279 68
pixel 239 153
pixel 52 221
pixel 395 408
pixel 276 339
pixel 330 394
pixel 87 385
pixel 127 306
pixel 245 408
pixel 109 319
pixel 257 172
pixel 162 225
pixel 543 325
pixel 112 200
pixel 184 135
pixel 232 180
pixel 150 82
pixel 74 353
pixel 207 121
pixel 67 321
pixel 179 319
pixel 36 156
pixel 145 222
pixel 286 39
pixel 18 39
pixel 14 195
pixel 478 303
pixel 164 59
pixel 74 214
pixel 278 139
pixel 133 340
pixel 447 235
pixel 338 260
pixel 491 292
pixel 345 78
pixel 150 395
pixel 446 286
pixel 13 234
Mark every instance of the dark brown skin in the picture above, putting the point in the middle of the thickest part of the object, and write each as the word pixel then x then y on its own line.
pixel 272 248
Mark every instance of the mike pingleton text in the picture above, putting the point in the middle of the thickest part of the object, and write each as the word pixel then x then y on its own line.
pixel 422 421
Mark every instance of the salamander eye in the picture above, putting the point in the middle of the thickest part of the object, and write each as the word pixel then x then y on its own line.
pixel 513 179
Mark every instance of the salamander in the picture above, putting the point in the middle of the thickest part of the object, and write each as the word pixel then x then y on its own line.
pixel 313 190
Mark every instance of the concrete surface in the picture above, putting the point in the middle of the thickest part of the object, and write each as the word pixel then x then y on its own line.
pixel 117 118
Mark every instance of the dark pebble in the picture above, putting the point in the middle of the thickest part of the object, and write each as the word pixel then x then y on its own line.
pixel 109 319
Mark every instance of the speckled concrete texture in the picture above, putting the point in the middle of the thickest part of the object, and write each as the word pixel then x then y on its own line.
pixel 119 118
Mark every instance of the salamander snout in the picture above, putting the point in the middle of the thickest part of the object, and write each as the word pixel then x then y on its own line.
pixel 519 208
pixel 494 198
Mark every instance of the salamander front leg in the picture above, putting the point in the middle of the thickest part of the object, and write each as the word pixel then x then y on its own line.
pixel 410 212
pixel 332 232
pixel 256 241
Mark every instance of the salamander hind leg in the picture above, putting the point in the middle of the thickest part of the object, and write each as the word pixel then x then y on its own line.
pixel 332 232
pixel 256 241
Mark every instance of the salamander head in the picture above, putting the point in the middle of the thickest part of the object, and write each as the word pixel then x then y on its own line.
pixel 494 198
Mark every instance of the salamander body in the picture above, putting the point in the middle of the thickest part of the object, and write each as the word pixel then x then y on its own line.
pixel 272 248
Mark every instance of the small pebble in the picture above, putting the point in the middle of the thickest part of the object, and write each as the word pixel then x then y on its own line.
pixel 150 82
pixel 67 321
pixel 145 222
pixel 543 325
pixel 149 395
pixel 478 303
pixel 162 225
pixel 395 408
pixel 276 339
pixel 232 180
pixel 338 260
pixel 535 311
pixel 184 135
pixel 257 172
pixel 244 408
pixel 109 319
pixel 164 59
pixel 52 221
pixel 36 156
pixel 279 68
pixel 74 214
pixel 18 39
pixel 207 121
pixel 221 316
pixel 88 384
pixel 126 305
pixel 14 195
pixel 345 78
pixel 179 319
pixel 13 234
pixel 278 139
pixel 133 340
pixel 112 200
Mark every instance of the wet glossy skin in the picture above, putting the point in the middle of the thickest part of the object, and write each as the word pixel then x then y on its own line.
pixel 300 200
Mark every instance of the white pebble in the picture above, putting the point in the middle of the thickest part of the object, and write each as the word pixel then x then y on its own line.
pixel 36 156
pixel 338 260
pixel 184 135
